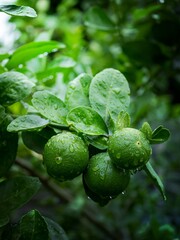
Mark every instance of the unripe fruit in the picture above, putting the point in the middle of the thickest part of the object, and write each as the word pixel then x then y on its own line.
pixel 65 156
pixel 103 178
pixel 129 149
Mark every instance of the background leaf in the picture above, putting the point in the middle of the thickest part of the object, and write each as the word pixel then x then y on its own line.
pixel 33 227
pixel 96 18
pixel 87 120
pixel 32 50
pixel 14 86
pixel 18 10
pixel 27 123
pixel 77 93
pixel 50 106
pixel 109 93
pixel 15 193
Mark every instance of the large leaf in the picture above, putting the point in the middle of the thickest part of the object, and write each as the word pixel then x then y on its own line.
pixel 77 93
pixel 96 18
pixel 18 10
pixel 155 178
pixel 8 143
pixel 50 106
pixel 56 232
pixel 14 86
pixel 160 135
pixel 87 120
pixel 32 50
pixel 27 123
pixel 33 227
pixel 109 93
pixel 15 193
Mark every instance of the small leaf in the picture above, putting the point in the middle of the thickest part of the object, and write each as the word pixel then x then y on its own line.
pixel 15 193
pixel 27 123
pixel 56 232
pixel 155 178
pixel 160 135
pixel 18 10
pixel 14 86
pixel 146 129
pixel 123 121
pixel 36 140
pixel 96 18
pixel 50 106
pixel 33 227
pixel 32 50
pixel 109 93
pixel 87 120
pixel 77 93
pixel 100 142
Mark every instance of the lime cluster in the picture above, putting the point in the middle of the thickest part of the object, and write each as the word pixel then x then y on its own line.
pixel 106 174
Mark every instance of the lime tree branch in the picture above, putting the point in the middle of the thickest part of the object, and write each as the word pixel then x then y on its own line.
pixel 63 195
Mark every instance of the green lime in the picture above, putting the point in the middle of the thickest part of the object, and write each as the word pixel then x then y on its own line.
pixel 103 178
pixel 129 148
pixel 65 156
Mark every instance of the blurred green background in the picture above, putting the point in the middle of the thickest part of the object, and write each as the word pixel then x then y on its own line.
pixel 142 40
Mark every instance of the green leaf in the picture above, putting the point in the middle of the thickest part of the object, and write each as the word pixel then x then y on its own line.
pixel 160 135
pixel 146 129
pixel 86 120
pixel 109 93
pixel 14 86
pixel 18 10
pixel 37 139
pixel 123 121
pixel 15 193
pixel 56 232
pixel 27 123
pixel 32 50
pixel 99 142
pixel 50 106
pixel 8 143
pixel 33 227
pixel 155 178
pixel 97 18
pixel 77 93
pixel 4 56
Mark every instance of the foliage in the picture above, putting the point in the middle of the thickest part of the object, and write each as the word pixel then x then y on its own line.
pixel 69 71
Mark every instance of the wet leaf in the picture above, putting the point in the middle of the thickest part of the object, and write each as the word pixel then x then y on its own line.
pixel 77 93
pixel 50 106
pixel 160 135
pixel 87 120
pixel 14 86
pixel 27 123
pixel 109 93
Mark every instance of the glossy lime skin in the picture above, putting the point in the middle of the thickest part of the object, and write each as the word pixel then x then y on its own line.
pixel 65 156
pixel 103 178
pixel 129 149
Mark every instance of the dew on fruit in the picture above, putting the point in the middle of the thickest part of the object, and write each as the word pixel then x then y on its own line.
pixel 58 160
pixel 71 148
pixel 95 169
pixel 118 155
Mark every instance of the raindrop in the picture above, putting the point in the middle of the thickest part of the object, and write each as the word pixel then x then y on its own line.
pixel 123 193
pixel 118 155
